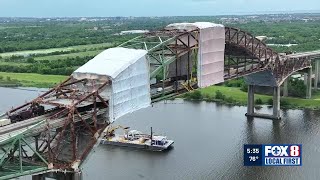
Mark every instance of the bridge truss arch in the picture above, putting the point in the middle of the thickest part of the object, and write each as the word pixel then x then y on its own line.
pixel 168 51
pixel 255 56
pixel 244 53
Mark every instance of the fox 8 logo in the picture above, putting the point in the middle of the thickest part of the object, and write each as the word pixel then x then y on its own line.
pixel 280 151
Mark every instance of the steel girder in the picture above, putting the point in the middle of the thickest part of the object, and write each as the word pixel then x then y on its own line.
pixel 246 55
pixel 58 147
pixel 59 140
pixel 19 158
pixel 164 47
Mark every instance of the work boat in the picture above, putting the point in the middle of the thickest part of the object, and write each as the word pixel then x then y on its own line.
pixel 135 139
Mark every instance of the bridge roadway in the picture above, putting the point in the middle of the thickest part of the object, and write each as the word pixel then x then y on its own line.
pixel 314 54
pixel 34 132
pixel 39 124
pixel 62 143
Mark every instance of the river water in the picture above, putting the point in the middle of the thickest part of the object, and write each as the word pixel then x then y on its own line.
pixel 209 141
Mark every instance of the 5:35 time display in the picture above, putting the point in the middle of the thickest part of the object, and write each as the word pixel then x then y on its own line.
pixel 253 150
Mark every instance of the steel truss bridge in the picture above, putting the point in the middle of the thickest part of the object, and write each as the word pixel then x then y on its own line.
pixel 61 139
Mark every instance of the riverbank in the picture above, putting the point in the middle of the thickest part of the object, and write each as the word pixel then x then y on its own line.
pixel 29 80
pixel 226 127
pixel 223 94
pixel 234 96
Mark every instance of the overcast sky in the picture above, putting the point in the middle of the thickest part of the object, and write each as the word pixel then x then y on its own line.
pixel 103 8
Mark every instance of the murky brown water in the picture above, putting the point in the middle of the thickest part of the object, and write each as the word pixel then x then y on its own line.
pixel 209 142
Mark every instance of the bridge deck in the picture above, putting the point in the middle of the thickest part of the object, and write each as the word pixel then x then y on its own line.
pixel 36 125
pixel 68 138
pixel 313 54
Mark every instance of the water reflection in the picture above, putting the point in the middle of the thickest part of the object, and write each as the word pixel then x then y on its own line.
pixel 209 139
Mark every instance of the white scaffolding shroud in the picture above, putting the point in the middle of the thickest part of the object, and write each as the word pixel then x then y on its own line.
pixel 211 51
pixel 128 70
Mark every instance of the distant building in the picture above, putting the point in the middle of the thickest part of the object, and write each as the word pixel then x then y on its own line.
pixel 134 32
pixel 283 45
pixel 262 38
pixel 83 19
pixel 305 20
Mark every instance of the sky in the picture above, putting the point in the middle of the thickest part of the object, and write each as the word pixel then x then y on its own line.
pixel 108 8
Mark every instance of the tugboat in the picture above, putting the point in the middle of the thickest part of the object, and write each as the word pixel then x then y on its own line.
pixel 135 139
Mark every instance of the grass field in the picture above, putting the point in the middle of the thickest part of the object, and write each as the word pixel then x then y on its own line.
pixel 39 80
pixel 34 80
pixel 2 63
pixel 241 97
pixel 45 51
pixel 65 56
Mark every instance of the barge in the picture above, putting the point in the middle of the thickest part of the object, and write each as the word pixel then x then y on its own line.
pixel 135 139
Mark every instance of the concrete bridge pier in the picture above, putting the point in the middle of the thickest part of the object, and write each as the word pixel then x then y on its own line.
pixel 276 104
pixel 58 176
pixel 38 177
pixel 305 78
pixel 318 66
pixel 285 88
pixel 309 83
pixel 317 74
pixel 250 108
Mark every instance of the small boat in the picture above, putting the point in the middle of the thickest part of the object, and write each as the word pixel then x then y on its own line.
pixel 135 139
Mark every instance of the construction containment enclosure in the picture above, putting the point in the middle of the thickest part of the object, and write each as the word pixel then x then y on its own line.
pixel 129 73
pixel 210 68
pixel 57 130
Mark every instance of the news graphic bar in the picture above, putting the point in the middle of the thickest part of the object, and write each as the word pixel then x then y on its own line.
pixel 272 155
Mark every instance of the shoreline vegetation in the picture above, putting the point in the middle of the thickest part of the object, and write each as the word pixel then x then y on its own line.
pixel 219 93
pixel 43 56
pixel 235 96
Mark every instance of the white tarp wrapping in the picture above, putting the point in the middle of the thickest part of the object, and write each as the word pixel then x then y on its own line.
pixel 129 72
pixel 211 51
pixel 182 26
pixel 211 54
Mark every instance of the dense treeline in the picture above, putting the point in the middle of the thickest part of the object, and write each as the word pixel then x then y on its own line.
pixel 32 35
pixel 36 35
pixel 57 67
pixel 16 36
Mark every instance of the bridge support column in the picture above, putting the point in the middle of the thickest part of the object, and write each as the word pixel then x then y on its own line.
pixel 38 177
pixel 77 176
pixel 318 64
pixel 316 77
pixel 58 176
pixel 305 78
pixel 276 102
pixel 250 110
pixel 309 84
pixel 285 88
